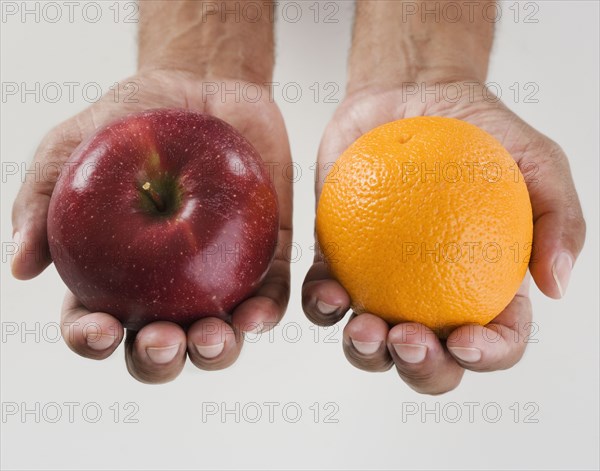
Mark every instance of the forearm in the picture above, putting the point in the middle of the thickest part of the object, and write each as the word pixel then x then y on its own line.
pixel 210 39
pixel 398 41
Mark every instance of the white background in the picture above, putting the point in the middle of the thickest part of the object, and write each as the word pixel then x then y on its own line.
pixel 557 380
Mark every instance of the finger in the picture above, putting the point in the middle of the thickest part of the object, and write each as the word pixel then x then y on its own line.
pixel 421 360
pixel 30 209
pixel 498 345
pixel 266 307
pixel 213 344
pixel 93 335
pixel 324 300
pixel 364 343
pixel 156 353
pixel 559 226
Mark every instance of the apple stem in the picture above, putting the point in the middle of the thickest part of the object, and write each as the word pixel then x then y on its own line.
pixel 154 196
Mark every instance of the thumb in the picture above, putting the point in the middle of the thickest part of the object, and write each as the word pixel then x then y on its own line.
pixel 30 209
pixel 559 226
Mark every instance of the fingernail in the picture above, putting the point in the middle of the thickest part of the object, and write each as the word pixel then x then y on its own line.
pixel 466 354
pixel 100 342
pixel 325 308
pixel 561 271
pixel 366 348
pixel 17 238
pixel 255 328
pixel 162 355
pixel 210 351
pixel 410 352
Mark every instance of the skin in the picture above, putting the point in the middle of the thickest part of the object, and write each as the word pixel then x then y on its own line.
pixel 455 55
pixel 180 52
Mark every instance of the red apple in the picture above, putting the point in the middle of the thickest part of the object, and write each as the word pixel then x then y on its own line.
pixel 163 215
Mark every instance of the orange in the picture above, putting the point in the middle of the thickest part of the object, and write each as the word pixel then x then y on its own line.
pixel 427 220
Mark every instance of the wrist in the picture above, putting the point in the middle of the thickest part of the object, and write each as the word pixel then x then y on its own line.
pixel 416 81
pixel 395 44
pixel 208 39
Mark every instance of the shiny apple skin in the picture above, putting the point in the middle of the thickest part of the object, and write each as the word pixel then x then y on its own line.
pixel 202 260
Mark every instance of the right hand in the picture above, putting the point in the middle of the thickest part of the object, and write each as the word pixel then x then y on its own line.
pixel 428 364
pixel 157 352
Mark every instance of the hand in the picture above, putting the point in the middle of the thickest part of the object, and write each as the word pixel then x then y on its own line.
pixel 157 352
pixel 426 363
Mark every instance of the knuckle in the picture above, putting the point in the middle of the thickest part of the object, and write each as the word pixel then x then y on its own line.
pixel 576 221
pixel 573 224
pixel 541 150
pixel 554 151
pixel 547 151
